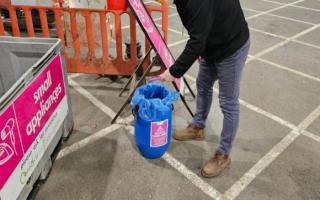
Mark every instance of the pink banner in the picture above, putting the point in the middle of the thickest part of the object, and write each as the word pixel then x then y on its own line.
pixel 152 32
pixel 24 119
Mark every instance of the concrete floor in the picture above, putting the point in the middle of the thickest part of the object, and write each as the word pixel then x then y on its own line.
pixel 276 154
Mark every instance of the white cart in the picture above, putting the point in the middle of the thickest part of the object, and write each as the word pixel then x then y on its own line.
pixel 35 111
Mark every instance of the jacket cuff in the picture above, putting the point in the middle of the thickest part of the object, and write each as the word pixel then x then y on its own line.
pixel 175 73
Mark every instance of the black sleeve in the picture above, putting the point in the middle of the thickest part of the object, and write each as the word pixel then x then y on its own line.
pixel 199 16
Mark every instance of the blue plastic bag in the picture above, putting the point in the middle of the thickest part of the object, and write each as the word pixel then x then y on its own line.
pixel 152 100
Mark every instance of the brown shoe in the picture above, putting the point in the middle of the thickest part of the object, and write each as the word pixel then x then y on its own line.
pixel 216 165
pixel 190 133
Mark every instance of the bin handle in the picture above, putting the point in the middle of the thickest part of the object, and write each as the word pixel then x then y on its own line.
pixel 134 112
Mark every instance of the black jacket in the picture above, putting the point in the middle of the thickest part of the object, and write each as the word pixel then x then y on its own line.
pixel 217 29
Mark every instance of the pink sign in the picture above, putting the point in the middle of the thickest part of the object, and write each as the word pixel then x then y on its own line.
pixel 22 122
pixel 152 32
pixel 159 133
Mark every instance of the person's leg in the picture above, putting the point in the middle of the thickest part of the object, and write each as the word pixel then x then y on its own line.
pixel 229 73
pixel 206 78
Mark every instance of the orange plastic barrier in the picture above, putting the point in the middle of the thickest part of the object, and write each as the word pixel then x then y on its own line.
pixel 93 56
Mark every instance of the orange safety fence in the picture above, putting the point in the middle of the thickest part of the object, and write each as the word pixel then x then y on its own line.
pixel 87 43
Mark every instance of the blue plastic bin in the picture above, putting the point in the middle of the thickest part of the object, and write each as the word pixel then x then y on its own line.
pixel 153 138
pixel 153 119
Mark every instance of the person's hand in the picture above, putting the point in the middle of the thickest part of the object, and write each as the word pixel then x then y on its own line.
pixel 166 76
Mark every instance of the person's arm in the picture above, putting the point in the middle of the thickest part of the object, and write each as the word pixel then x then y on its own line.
pixel 200 16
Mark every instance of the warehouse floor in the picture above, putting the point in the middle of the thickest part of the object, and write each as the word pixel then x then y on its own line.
pixel 276 154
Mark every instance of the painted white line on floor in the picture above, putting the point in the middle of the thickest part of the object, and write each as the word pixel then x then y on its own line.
pixel 190 175
pixel 266 114
pixel 92 99
pixel 292 19
pixel 288 69
pixel 88 140
pixel 249 176
pixel 287 41
pixel 74 75
pixel 170 5
pixel 285 38
pixel 306 43
pixel 175 31
pixel 250 56
pixel 148 2
pixel 293 5
pixel 155 20
pixel 283 17
pixel 267 33
pixel 311 135
pixel 169 16
pixel 275 2
pixel 100 105
pixel 94 137
pixel 177 43
pixel 263 163
pixel 274 35
pixel 310 119
pixel 249 59
pixel 274 9
pixel 273 117
pixel 98 85
pixel 173 15
pixel 256 109
pixel 306 8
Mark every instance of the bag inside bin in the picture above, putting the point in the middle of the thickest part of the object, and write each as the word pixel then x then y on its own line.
pixel 152 100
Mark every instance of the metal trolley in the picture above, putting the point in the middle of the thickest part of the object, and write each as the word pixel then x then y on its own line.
pixel 35 111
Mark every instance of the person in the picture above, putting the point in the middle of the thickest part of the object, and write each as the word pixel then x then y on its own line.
pixel 220 40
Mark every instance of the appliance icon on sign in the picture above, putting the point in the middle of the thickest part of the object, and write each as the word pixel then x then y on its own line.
pixel 7 151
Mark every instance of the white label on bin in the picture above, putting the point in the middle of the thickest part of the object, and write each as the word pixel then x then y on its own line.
pixel 159 133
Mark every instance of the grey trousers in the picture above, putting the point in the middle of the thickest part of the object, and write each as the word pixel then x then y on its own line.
pixel 228 73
